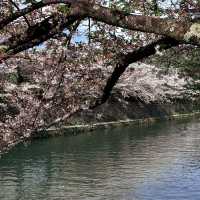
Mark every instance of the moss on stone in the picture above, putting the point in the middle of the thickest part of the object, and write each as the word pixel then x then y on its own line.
pixel 3 48
pixel 12 77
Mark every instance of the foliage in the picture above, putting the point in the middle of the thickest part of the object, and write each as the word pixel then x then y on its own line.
pixel 12 77
pixel 67 72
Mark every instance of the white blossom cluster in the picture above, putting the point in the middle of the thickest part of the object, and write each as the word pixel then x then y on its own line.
pixel 151 84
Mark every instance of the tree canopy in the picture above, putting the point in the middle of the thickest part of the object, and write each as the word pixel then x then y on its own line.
pixel 59 45
pixel 178 24
pixel 25 24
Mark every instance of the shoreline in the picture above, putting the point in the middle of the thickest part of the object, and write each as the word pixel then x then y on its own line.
pixel 81 128
pixel 73 130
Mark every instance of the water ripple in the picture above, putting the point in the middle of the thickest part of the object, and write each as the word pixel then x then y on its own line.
pixel 161 162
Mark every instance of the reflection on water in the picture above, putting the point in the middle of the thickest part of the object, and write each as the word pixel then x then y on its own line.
pixel 161 161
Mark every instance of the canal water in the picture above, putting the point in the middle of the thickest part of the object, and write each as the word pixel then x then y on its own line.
pixel 155 162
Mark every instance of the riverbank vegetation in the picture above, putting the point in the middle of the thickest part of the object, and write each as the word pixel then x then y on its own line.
pixel 63 61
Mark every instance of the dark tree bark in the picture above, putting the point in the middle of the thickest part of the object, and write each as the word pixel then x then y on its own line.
pixel 182 31
pixel 37 34
pixel 126 59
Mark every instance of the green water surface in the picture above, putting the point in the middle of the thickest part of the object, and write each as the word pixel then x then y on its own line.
pixel 156 162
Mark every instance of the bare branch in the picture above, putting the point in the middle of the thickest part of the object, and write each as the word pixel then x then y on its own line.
pixel 19 13
pixel 161 26
pixel 38 34
pixel 72 31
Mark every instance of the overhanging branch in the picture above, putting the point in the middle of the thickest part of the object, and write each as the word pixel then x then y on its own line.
pixel 37 34
pixel 182 31
pixel 20 13
pixel 126 59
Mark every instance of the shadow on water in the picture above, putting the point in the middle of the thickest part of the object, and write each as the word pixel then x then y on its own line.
pixel 159 161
